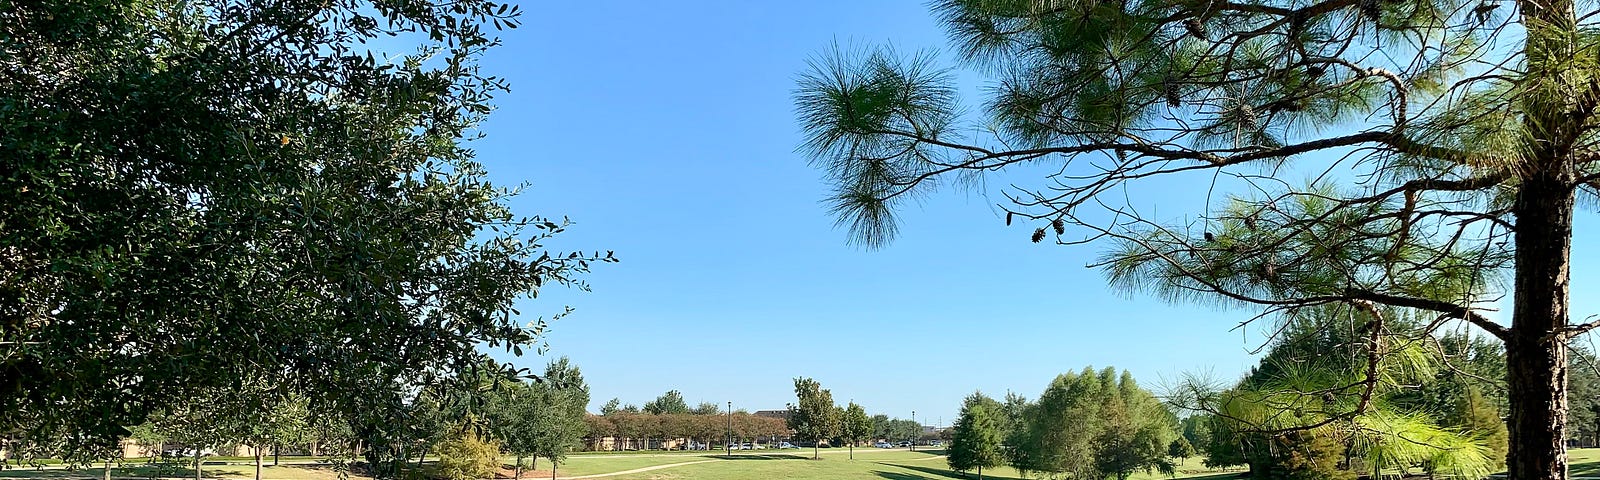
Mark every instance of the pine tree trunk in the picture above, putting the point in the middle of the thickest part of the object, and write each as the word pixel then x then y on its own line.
pixel 1536 353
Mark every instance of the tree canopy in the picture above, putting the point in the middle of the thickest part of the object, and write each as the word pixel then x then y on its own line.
pixel 668 403
pixel 198 191
pixel 1093 424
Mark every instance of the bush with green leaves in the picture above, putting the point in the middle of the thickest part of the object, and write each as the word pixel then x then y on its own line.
pixel 468 456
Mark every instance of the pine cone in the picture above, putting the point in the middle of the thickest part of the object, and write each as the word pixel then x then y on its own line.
pixel 1195 28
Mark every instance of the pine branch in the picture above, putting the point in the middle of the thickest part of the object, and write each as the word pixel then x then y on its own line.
pixel 1447 308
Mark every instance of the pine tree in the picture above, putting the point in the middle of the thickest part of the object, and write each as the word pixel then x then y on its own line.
pixel 1446 142
pixel 975 444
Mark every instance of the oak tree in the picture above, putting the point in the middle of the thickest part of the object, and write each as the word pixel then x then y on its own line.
pixel 199 191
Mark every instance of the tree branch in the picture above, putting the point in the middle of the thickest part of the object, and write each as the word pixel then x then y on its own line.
pixel 1447 308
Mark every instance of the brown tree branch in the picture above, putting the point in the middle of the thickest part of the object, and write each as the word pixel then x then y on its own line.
pixel 1447 308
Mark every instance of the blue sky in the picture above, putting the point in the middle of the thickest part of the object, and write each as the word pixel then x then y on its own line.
pixel 666 131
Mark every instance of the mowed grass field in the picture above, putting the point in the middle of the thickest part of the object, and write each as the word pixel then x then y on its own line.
pixel 870 463
pixel 896 464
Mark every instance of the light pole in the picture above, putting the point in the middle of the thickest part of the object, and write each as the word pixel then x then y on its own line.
pixel 912 445
pixel 729 444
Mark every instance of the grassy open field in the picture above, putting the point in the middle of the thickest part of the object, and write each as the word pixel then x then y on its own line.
pixel 870 463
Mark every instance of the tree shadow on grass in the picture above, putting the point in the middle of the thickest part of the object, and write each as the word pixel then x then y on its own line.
pixel 942 473
pixel 764 456
pixel 1219 476
pixel 1585 469
pixel 86 473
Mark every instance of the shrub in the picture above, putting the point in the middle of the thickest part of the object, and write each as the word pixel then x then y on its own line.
pixel 466 456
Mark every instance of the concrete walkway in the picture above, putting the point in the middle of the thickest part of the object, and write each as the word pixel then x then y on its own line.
pixel 637 470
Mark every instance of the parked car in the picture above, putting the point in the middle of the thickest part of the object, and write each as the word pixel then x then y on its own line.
pixel 903 444
pixel 786 446
pixel 188 453
pixel 936 443
pixel 883 445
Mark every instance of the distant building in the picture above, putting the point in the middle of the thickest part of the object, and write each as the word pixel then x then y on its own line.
pixel 772 413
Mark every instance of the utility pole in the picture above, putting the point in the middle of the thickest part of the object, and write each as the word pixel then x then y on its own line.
pixel 912 445
pixel 729 443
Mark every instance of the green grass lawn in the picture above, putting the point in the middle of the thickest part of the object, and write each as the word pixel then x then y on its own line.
pixel 870 463
pixel 283 472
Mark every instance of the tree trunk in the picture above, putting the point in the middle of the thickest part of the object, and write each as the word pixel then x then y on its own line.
pixel 197 463
pixel 1536 352
pixel 423 457
pixel 519 468
pixel 980 472
pixel 107 473
pixel 276 449
pixel 258 463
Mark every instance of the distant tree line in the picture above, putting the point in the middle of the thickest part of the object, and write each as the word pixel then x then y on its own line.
pixel 646 429
pixel 669 417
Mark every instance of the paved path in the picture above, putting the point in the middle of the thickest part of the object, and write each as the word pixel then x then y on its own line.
pixel 637 470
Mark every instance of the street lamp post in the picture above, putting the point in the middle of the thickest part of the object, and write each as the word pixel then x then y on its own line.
pixel 729 443
pixel 912 445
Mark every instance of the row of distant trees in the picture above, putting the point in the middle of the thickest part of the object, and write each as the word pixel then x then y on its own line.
pixel 698 428
pixel 814 418
pixel 669 417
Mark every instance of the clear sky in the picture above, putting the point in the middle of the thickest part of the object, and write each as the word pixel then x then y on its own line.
pixel 666 131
